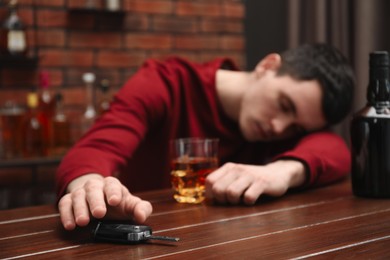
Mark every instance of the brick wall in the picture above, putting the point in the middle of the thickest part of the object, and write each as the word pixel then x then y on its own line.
pixel 70 43
pixel 113 46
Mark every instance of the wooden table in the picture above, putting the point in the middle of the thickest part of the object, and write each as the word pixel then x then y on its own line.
pixel 324 223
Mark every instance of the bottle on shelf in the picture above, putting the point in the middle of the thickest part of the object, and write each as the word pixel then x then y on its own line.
pixel 90 114
pixel 113 5
pixel 104 102
pixel 370 133
pixel 32 131
pixel 61 139
pixel 11 121
pixel 46 106
pixel 13 37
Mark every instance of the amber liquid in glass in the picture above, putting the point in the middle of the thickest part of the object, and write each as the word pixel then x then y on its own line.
pixel 188 178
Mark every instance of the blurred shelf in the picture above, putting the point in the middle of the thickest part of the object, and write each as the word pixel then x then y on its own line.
pixel 30 162
pixel 18 62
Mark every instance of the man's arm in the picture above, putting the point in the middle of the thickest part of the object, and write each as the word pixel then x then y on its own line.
pixel 317 159
pixel 106 149
pixel 325 155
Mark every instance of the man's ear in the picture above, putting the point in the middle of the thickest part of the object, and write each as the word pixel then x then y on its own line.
pixel 270 62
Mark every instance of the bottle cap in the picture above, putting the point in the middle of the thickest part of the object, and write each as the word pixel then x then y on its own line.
pixel 13 3
pixel 105 84
pixel 58 96
pixel 379 59
pixel 89 77
pixel 378 91
pixel 32 100
pixel 44 79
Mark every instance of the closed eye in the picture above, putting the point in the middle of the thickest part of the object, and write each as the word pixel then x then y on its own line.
pixel 286 104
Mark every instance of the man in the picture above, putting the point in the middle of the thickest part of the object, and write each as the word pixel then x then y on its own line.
pixel 271 124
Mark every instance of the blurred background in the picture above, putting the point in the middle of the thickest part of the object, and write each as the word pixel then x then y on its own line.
pixel 68 57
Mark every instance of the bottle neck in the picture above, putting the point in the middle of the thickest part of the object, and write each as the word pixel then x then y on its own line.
pixel 32 103
pixel 59 115
pixel 12 7
pixel 378 91
pixel 13 18
pixel 90 109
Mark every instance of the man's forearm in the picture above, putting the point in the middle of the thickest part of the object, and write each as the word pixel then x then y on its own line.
pixel 295 170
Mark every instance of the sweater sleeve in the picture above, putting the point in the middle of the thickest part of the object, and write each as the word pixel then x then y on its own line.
pixel 325 155
pixel 112 140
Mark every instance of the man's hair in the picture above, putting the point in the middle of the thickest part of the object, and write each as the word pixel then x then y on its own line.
pixel 330 68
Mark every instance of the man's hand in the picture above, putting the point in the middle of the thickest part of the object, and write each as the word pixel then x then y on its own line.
pixel 232 182
pixel 96 196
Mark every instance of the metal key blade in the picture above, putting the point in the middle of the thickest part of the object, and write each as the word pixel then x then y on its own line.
pixel 172 239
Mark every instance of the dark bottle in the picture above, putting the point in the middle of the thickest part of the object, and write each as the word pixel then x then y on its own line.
pixel 370 134
pixel 13 34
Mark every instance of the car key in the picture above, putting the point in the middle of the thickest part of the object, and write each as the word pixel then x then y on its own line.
pixel 126 233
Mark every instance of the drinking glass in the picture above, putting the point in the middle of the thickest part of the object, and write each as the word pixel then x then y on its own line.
pixel 192 160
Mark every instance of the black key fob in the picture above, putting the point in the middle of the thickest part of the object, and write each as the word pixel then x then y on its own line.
pixel 125 233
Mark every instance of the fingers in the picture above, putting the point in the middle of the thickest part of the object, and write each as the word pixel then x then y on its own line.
pixel 142 210
pixel 90 199
pixel 253 192
pixel 80 207
pixel 139 209
pixel 98 192
pixel 228 183
pixel 95 198
pixel 113 191
pixel 217 181
pixel 235 183
pixel 75 207
pixel 235 191
pixel 66 212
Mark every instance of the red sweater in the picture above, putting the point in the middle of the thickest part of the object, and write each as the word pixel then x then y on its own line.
pixel 176 98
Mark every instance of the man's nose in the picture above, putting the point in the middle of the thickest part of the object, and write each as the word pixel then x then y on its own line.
pixel 281 124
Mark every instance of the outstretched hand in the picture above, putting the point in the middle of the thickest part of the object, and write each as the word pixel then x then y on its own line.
pixel 100 197
pixel 234 183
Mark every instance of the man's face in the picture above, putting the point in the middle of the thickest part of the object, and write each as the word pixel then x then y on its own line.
pixel 278 107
